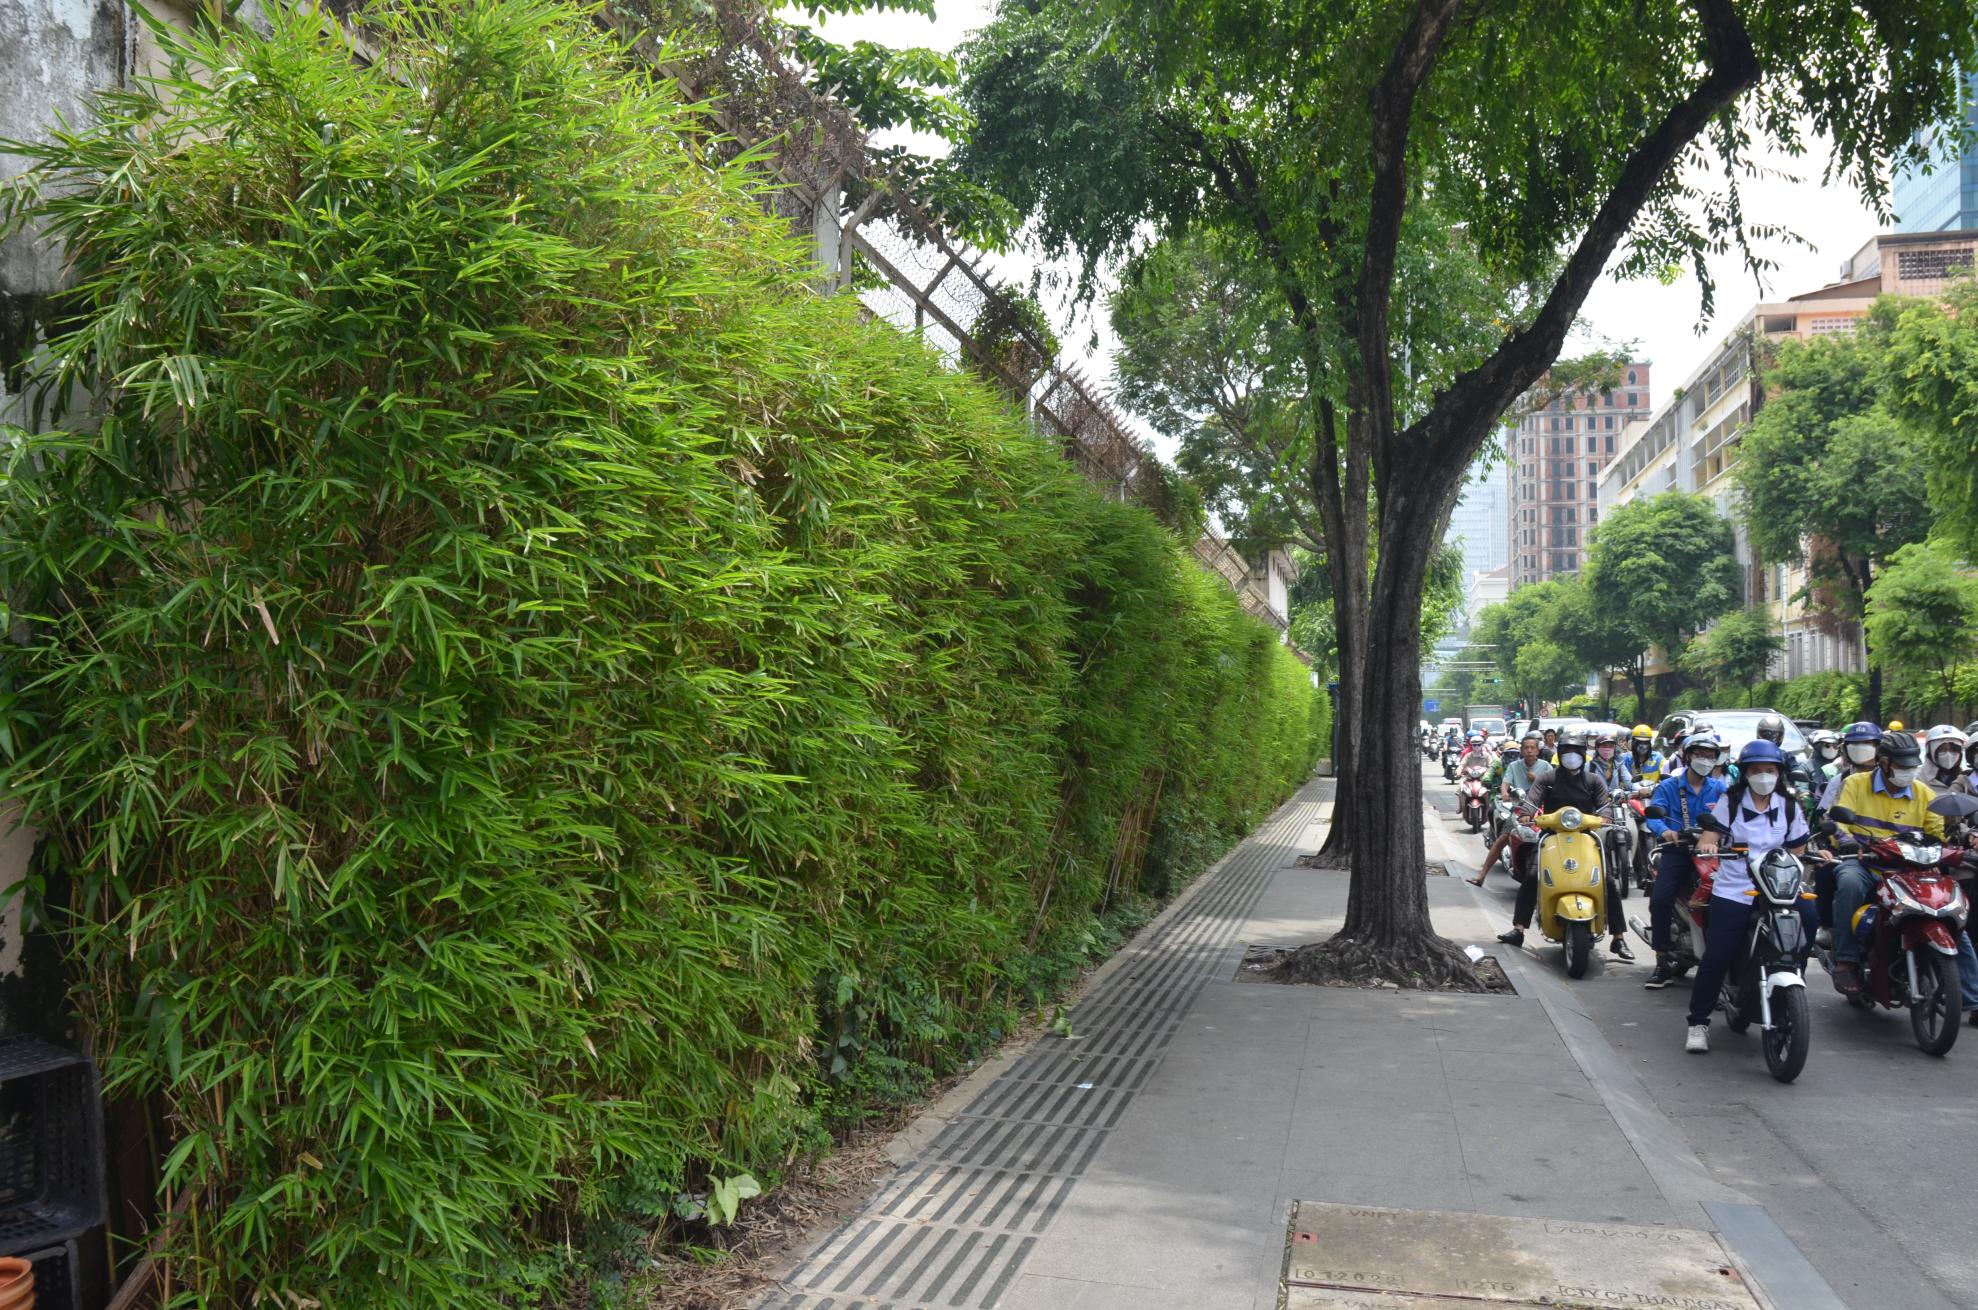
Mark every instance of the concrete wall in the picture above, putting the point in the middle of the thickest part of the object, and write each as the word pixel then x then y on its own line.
pixel 54 54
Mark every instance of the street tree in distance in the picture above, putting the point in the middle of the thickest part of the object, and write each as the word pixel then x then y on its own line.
pixel 1351 146
pixel 1665 563
pixel 1550 670
pixel 1507 626
pixel 1736 650
pixel 1604 636
pixel 1828 477
pixel 1923 615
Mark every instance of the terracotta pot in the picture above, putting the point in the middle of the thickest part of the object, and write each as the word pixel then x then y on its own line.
pixel 16 1284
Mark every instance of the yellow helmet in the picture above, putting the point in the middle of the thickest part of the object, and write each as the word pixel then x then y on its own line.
pixel 1643 731
pixel 1895 725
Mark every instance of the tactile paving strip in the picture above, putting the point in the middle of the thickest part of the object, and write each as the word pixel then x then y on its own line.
pixel 954 1226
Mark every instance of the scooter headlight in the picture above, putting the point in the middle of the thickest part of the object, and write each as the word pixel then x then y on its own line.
pixel 1570 818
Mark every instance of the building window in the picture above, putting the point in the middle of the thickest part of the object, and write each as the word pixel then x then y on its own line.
pixel 1631 382
pixel 1633 399
pixel 1610 443
pixel 1593 444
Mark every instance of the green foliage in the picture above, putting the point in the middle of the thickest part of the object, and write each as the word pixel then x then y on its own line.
pixel 1930 376
pixel 1548 669
pixel 1825 462
pixel 1664 562
pixel 1736 650
pixel 530 706
pixel 1923 618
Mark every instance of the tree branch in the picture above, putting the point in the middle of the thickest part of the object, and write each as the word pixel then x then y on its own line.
pixel 1393 107
pixel 1523 356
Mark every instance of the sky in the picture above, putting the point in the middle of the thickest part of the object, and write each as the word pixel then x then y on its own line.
pixel 1664 322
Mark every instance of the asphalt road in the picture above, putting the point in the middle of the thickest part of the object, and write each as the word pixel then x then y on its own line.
pixel 1869 1161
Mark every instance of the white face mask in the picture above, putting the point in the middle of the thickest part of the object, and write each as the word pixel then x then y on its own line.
pixel 1902 777
pixel 1762 784
pixel 1606 752
pixel 1949 759
pixel 1827 752
pixel 1702 765
pixel 1861 752
pixel 1571 760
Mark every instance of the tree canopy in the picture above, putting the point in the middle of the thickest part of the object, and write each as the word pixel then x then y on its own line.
pixel 1666 563
pixel 1923 614
pixel 1737 649
pixel 1930 371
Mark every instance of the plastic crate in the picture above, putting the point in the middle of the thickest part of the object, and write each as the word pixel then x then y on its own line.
pixel 57 1277
pixel 51 1146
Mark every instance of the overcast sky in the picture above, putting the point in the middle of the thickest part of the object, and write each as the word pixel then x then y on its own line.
pixel 1663 321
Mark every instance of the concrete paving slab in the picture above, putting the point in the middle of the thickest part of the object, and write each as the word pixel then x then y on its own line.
pixel 1496 1259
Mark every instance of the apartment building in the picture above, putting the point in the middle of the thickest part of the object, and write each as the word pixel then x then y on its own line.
pixel 1559 450
pixel 1690 443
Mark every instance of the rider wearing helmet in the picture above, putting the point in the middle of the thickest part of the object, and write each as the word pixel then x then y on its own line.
pixel 1684 799
pixel 1886 798
pixel 1860 741
pixel 1614 768
pixel 1760 813
pixel 1641 754
pixel 1943 761
pixel 1572 783
pixel 1826 745
pixel 1771 728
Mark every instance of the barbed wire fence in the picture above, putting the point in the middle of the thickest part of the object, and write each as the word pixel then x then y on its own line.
pixel 873 238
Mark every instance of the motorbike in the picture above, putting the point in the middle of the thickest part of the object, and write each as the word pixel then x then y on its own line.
pixel 1572 883
pixel 1911 927
pixel 1472 803
pixel 1640 867
pixel 1449 754
pixel 1767 983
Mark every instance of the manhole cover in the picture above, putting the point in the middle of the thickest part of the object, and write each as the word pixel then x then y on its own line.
pixel 1345 1257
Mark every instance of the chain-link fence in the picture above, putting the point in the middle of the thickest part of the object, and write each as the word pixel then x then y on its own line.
pixel 872 237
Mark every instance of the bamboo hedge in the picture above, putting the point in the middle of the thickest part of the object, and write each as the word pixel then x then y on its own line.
pixel 530 705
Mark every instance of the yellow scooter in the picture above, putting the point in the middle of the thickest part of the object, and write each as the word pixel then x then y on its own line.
pixel 1572 884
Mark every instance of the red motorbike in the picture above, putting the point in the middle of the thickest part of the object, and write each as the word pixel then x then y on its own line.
pixel 1911 930
pixel 1473 801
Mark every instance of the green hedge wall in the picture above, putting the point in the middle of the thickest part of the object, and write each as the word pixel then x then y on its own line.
pixel 531 706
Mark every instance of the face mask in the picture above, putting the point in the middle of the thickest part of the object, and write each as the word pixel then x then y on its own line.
pixel 1762 784
pixel 1861 752
pixel 1571 760
pixel 1702 765
pixel 1949 759
pixel 1606 752
pixel 1828 753
pixel 1902 777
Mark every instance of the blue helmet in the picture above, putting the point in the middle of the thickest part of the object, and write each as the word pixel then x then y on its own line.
pixel 1760 751
pixel 1862 731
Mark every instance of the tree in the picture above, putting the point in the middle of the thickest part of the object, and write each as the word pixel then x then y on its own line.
pixel 1930 382
pixel 1354 147
pixel 1923 615
pixel 1737 649
pixel 1517 619
pixel 1603 636
pixel 1828 478
pixel 1550 669
pixel 1665 563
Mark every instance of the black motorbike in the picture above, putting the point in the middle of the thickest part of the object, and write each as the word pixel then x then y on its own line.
pixel 1766 984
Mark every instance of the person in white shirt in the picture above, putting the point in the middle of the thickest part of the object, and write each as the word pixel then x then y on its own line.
pixel 1760 813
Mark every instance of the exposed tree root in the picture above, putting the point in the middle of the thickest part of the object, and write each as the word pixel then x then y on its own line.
pixel 1424 963
pixel 1325 860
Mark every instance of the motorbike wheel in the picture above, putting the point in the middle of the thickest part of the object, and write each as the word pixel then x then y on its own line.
pixel 1579 949
pixel 1790 1037
pixel 1934 1016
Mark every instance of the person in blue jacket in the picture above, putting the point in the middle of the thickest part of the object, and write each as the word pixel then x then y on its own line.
pixel 1684 798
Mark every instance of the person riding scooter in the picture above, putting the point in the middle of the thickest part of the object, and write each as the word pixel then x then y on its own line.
pixel 1571 784
pixel 1647 767
pixel 1761 814
pixel 1684 799
pixel 1886 799
pixel 1826 745
pixel 1518 778
pixel 1943 767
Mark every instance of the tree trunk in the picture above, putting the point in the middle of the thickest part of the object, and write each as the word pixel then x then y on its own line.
pixel 1387 932
pixel 1871 704
pixel 1639 677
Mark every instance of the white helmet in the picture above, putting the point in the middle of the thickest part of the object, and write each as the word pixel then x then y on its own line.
pixel 1941 734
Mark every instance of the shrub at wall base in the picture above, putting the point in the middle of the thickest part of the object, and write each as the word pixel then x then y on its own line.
pixel 526 697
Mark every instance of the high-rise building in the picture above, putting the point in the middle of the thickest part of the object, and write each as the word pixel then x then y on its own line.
pixel 1558 452
pixel 1481 522
pixel 1943 195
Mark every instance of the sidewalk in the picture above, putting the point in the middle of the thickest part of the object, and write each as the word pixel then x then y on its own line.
pixel 1151 1160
